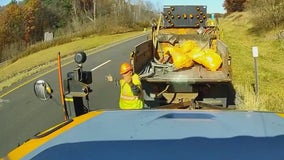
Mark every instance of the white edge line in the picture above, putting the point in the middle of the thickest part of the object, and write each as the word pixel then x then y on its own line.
pixel 100 65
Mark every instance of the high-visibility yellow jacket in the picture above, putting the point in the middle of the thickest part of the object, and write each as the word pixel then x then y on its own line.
pixel 127 99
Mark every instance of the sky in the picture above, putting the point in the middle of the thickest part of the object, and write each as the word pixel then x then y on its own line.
pixel 213 6
pixel 4 2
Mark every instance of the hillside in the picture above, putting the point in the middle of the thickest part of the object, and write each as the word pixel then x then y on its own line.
pixel 240 36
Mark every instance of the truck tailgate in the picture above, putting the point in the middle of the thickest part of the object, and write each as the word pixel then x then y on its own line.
pixel 196 74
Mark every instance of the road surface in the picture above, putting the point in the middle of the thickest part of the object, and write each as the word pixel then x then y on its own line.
pixel 22 115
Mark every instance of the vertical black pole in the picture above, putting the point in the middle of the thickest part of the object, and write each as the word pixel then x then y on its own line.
pixel 256 75
pixel 255 55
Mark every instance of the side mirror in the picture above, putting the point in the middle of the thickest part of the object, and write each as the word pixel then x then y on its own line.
pixel 42 90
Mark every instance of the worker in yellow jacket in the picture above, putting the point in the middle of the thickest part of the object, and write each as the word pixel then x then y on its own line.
pixel 131 96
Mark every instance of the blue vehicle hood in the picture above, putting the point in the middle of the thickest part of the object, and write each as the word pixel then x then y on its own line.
pixel 168 134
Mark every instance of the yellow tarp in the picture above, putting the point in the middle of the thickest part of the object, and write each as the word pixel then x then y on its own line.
pixel 212 60
pixel 187 53
pixel 180 60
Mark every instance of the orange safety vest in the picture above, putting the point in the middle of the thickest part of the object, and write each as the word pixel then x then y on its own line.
pixel 127 99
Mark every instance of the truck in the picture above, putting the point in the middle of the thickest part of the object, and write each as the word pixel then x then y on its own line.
pixel 180 28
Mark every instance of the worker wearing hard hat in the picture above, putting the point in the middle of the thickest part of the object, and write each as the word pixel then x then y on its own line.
pixel 130 88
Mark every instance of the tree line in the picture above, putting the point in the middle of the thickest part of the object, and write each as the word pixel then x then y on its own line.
pixel 24 23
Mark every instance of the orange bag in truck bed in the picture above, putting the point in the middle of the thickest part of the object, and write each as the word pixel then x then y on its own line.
pixel 212 60
pixel 208 58
pixel 180 59
pixel 188 46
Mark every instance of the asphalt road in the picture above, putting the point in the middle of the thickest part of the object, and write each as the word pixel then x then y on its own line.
pixel 22 114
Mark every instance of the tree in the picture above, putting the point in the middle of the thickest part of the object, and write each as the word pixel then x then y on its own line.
pixel 234 5
pixel 11 21
pixel 84 9
pixel 33 21
pixel 57 13
pixel 24 23
pixel 88 6
pixel 10 27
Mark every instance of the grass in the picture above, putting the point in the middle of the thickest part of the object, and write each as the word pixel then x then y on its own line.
pixel 33 63
pixel 240 37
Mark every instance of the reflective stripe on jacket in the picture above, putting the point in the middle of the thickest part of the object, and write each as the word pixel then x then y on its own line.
pixel 127 99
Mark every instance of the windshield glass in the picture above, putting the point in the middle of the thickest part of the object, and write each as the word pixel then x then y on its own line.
pixel 91 55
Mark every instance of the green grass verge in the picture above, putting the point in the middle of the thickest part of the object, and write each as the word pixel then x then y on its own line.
pixel 240 38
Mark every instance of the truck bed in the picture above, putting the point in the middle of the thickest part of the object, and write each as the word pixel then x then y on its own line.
pixel 195 74
pixel 150 71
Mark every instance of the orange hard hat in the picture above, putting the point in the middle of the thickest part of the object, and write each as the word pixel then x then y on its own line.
pixel 125 67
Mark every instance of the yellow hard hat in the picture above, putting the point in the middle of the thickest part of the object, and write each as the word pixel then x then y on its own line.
pixel 125 67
